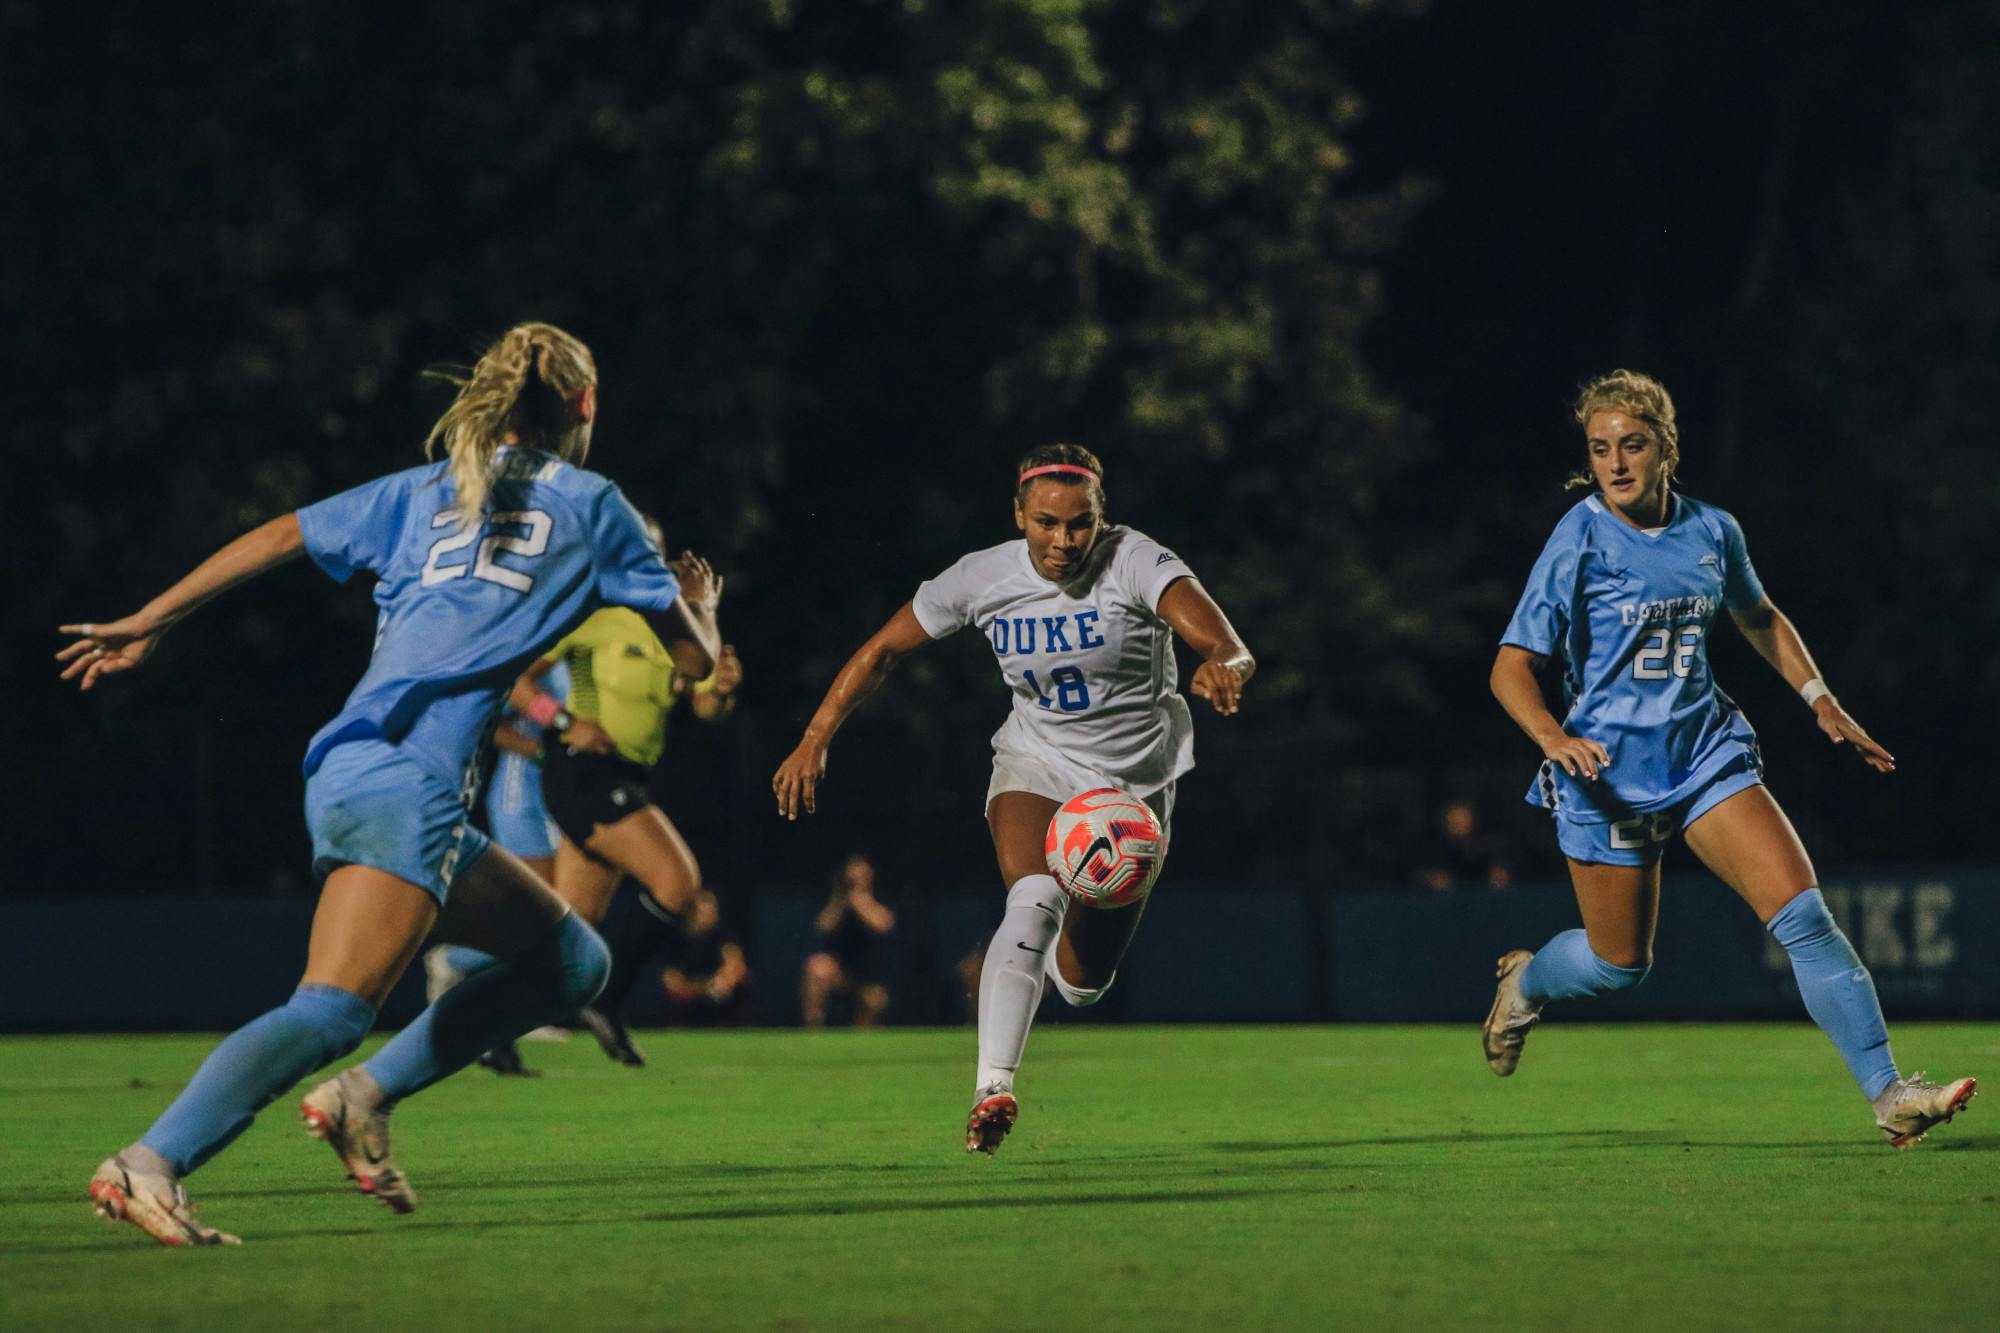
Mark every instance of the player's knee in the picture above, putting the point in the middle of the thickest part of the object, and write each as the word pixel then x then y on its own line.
pixel 1805 926
pixel 338 1018
pixel 1623 974
pixel 822 970
pixel 673 890
pixel 1038 893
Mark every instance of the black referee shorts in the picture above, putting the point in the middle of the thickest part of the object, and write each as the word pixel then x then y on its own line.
pixel 586 791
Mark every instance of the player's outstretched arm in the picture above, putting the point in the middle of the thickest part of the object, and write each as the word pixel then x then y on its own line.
pixel 1514 685
pixel 688 628
pixel 796 782
pixel 1226 665
pixel 120 645
pixel 1777 641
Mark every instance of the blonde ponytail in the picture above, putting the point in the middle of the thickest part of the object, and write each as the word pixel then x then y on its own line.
pixel 526 389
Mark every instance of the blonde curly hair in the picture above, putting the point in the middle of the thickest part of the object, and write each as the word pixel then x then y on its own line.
pixel 1638 396
pixel 526 387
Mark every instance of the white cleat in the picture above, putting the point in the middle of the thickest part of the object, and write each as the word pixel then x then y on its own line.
pixel 1507 1023
pixel 439 975
pixel 156 1204
pixel 356 1126
pixel 1911 1107
pixel 993 1115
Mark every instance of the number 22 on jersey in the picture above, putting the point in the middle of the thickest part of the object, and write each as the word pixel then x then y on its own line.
pixel 486 564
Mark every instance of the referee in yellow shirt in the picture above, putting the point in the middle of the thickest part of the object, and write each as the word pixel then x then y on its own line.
pixel 608 735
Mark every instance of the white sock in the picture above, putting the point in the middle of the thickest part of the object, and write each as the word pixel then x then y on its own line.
pixel 1010 984
pixel 1077 996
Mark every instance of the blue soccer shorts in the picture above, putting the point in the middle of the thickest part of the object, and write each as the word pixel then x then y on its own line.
pixel 370 805
pixel 1638 841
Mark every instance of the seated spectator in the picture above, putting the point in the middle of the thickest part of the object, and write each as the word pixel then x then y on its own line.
pixel 852 928
pixel 1464 858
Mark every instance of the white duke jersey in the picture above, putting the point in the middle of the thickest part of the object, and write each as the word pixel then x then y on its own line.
pixel 1089 661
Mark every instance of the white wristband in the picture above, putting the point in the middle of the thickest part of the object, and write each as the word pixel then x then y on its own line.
pixel 1813 691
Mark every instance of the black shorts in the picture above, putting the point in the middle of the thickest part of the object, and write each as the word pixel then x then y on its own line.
pixel 586 791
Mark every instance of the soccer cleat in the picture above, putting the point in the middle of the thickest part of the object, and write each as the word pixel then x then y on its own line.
pixel 156 1204
pixel 611 1035
pixel 1507 1023
pixel 992 1116
pixel 439 975
pixel 506 1061
pixel 1911 1107
pixel 357 1129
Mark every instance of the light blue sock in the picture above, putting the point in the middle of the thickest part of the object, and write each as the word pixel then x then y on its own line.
pixel 255 1063
pixel 1839 993
pixel 551 981
pixel 1567 968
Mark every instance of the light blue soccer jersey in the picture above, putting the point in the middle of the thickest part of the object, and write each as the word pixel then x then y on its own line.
pixel 464 608
pixel 1630 615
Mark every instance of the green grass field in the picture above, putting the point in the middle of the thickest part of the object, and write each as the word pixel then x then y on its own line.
pixel 1629 1177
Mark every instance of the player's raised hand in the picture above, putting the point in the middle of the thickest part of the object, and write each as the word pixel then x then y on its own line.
pixel 1220 683
pixel 700 584
pixel 107 649
pixel 1578 754
pixel 1843 730
pixel 797 779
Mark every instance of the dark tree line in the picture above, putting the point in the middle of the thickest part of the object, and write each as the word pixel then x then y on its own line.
pixel 1312 277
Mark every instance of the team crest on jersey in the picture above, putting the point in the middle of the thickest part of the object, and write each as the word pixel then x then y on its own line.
pixel 1711 559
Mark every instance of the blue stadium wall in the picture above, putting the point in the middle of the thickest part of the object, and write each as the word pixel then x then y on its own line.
pixel 1241 955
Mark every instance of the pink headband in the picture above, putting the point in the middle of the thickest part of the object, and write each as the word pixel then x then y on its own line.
pixel 1059 467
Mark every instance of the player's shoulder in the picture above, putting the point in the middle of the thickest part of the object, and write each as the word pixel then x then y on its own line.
pixel 988 563
pixel 1580 520
pixel 411 480
pixel 1124 545
pixel 1719 522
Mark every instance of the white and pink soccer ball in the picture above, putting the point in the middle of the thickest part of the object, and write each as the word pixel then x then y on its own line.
pixel 1105 848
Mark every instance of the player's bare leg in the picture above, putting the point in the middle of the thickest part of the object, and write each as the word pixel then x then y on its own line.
pixel 549 962
pixel 1750 845
pixel 1043 939
pixel 366 929
pixel 588 883
pixel 348 950
pixel 645 845
pixel 1621 909
pixel 1620 906
pixel 1093 943
pixel 584 882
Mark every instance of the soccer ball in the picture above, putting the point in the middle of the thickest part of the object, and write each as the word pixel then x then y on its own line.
pixel 1105 848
